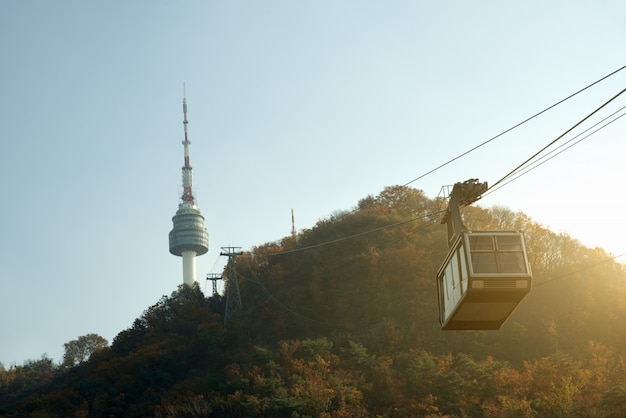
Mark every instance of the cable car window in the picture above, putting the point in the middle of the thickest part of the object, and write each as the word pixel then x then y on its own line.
pixel 493 254
pixel 447 280
pixel 484 262
pixel 509 243
pixel 464 274
pixel 512 262
pixel 456 279
pixel 481 243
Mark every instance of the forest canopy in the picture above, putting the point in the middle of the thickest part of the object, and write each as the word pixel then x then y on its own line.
pixel 341 320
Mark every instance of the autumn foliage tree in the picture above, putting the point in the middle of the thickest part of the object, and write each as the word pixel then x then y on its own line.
pixel 341 321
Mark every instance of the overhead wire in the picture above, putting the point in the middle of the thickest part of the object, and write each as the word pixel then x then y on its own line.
pixel 307 318
pixel 285 307
pixel 508 130
pixel 302 316
pixel 431 215
pixel 528 160
pixel 511 173
pixel 337 325
pixel 217 259
pixel 552 154
pixel 212 270
pixel 498 184
pixel 493 186
pixel 579 270
pixel 514 127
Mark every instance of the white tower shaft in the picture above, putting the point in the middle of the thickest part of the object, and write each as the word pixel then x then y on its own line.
pixel 189 267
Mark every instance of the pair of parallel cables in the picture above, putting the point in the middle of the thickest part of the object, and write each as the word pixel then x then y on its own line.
pixel 522 169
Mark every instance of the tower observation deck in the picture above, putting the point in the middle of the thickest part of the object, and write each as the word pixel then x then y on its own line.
pixel 188 237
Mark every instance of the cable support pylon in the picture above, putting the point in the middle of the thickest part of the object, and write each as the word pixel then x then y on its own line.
pixel 214 277
pixel 233 297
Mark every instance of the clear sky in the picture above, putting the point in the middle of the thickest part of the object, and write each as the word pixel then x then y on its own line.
pixel 292 104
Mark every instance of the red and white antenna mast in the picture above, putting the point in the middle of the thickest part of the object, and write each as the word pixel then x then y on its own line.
pixel 187 174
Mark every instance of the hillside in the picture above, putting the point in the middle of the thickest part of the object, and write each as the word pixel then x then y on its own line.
pixel 341 321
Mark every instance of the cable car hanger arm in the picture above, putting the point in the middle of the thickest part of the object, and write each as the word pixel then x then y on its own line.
pixel 463 194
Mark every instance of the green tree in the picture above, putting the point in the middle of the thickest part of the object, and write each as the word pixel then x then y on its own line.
pixel 79 350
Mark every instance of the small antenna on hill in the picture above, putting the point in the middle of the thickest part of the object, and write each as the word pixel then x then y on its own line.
pixel 293 225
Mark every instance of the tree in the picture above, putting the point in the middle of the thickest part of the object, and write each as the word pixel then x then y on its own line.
pixel 79 350
pixel 404 200
pixel 332 325
pixel 614 401
pixel 20 382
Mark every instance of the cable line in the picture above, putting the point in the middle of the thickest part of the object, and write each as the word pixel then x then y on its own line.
pixel 579 270
pixel 462 155
pixel 555 140
pixel 493 187
pixel 545 158
pixel 285 307
pixel 360 234
pixel 217 259
pixel 515 126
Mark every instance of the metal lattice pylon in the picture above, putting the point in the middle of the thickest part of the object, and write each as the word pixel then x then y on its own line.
pixel 214 278
pixel 233 298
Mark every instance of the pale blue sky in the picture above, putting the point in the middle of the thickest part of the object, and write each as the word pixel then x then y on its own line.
pixel 303 105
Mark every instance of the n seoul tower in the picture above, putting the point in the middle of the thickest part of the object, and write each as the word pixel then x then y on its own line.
pixel 189 237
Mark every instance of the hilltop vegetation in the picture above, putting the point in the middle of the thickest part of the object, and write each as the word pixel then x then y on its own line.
pixel 342 323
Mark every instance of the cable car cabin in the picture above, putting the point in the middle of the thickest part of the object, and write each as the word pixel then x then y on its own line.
pixel 483 278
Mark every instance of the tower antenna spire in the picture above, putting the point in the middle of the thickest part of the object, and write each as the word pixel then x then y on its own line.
pixel 188 237
pixel 187 174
